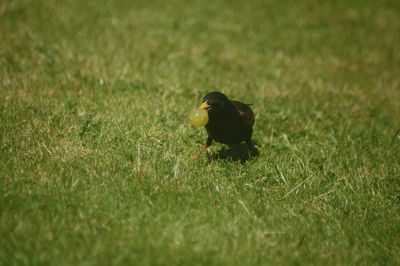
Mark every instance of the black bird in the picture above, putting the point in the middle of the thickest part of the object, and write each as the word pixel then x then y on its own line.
pixel 230 122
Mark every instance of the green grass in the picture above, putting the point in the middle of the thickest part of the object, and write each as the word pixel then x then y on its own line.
pixel 95 142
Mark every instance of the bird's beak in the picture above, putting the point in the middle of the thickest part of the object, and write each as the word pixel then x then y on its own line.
pixel 204 106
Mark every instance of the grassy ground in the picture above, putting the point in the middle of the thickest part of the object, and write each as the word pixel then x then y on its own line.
pixel 95 141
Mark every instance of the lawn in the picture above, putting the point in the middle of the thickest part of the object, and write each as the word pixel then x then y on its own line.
pixel 95 143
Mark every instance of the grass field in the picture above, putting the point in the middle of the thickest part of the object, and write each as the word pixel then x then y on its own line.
pixel 94 98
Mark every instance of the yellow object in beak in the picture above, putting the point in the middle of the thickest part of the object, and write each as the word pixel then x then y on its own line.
pixel 198 117
pixel 204 106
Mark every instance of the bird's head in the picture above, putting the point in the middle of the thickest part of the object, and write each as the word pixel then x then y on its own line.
pixel 214 102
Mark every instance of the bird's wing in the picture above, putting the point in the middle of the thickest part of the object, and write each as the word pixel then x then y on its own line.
pixel 245 112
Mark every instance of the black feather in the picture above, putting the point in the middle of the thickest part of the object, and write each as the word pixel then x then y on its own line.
pixel 230 122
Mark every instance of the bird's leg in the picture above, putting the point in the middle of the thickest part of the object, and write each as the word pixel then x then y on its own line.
pixel 209 141
pixel 250 148
pixel 198 153
pixel 249 145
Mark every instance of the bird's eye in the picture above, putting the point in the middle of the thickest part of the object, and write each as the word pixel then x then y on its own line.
pixel 214 105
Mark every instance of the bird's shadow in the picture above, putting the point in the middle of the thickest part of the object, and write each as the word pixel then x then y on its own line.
pixel 235 153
